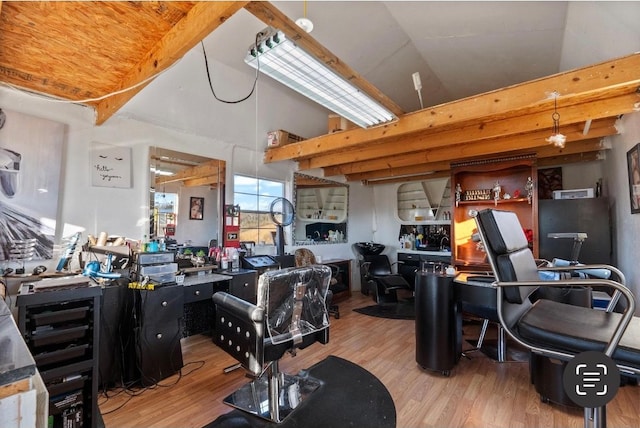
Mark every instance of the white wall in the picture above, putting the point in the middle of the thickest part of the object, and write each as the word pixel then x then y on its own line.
pixel 626 225
pixel 125 211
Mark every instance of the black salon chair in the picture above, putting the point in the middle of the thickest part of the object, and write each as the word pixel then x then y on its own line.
pixel 550 328
pixel 290 314
pixel 382 283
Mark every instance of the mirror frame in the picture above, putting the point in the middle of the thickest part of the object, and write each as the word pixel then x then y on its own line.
pixel 202 170
pixel 320 183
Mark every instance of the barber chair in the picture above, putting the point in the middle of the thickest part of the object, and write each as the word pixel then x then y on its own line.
pixel 305 257
pixel 290 314
pixel 382 283
pixel 550 328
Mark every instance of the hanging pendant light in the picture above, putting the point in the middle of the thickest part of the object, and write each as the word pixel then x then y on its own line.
pixel 556 138
pixel 304 22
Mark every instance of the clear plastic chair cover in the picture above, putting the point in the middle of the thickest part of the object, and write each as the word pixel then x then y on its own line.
pixel 294 301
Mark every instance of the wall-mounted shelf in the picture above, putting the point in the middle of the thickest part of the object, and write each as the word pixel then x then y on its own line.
pixel 478 179
pixel 424 202
pixel 328 205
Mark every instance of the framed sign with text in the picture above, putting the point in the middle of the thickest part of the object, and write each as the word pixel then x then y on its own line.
pixel 110 166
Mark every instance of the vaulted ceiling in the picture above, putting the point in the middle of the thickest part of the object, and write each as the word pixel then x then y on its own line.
pixel 473 58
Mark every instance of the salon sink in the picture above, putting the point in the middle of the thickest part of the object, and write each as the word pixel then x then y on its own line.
pixel 368 248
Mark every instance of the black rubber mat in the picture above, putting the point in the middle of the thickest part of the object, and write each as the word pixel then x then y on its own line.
pixel 349 396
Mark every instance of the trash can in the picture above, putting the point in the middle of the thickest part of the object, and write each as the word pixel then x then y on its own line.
pixel 438 326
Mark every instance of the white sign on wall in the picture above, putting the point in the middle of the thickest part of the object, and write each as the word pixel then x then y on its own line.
pixel 110 166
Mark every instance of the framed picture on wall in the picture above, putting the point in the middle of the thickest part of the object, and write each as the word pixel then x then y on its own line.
pixel 196 210
pixel 633 163
pixel 549 179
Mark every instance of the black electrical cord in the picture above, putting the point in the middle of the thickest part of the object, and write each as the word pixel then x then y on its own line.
pixel 255 81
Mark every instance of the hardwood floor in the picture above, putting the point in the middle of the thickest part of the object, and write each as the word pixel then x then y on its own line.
pixel 479 392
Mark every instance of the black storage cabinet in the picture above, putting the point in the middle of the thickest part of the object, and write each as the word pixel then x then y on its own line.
pixel 157 329
pixel 61 329
pixel 438 342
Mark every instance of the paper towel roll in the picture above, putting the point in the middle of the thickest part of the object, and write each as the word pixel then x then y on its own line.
pixel 102 239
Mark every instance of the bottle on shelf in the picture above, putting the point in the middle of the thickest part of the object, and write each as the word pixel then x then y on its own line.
pixel 235 260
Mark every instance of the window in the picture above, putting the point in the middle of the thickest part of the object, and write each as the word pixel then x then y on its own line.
pixel 165 214
pixel 254 195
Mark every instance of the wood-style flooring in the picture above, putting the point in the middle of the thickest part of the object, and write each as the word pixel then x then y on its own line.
pixel 480 392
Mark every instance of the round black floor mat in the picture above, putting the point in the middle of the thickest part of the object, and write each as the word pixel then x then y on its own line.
pixel 349 396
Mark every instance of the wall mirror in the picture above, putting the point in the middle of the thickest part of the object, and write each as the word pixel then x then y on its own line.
pixel 178 179
pixel 321 210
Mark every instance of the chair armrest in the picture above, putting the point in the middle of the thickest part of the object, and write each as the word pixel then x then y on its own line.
pixel 615 296
pixel 627 315
pixel 238 307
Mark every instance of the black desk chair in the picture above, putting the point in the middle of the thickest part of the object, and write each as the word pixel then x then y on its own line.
pixel 549 328
pixel 378 276
pixel 290 314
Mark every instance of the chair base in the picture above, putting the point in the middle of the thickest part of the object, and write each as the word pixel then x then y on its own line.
pixel 254 397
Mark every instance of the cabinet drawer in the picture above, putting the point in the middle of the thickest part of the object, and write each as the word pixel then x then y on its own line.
pixel 162 305
pixel 69 354
pixel 408 257
pixel 66 386
pixel 59 374
pixel 60 316
pixel 57 336
pixel 194 293
pixel 244 287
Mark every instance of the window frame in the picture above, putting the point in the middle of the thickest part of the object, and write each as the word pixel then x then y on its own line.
pixel 259 207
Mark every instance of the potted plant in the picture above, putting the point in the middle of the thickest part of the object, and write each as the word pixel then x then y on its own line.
pixel 199 258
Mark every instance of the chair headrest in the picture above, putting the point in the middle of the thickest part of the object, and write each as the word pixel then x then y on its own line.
pixel 503 231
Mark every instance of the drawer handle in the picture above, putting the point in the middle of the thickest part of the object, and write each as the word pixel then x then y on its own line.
pixel 159 336
pixel 197 292
pixel 246 284
pixel 164 303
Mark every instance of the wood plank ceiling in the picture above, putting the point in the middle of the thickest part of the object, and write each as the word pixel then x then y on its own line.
pixel 86 52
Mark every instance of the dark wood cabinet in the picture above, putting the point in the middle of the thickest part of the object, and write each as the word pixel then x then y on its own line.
pixel 61 329
pixel 474 189
pixel 157 332
pixel 243 284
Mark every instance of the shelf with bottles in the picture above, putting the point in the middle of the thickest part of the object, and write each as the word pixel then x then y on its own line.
pixel 426 202
pixel 425 237
pixel 505 184
pixel 322 204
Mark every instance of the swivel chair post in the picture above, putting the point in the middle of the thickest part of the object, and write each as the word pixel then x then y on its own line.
pixel 595 417
pixel 273 376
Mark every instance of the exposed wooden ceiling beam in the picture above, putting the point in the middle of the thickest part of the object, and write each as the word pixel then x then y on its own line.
pixel 419 177
pixel 598 81
pixel 470 149
pixel 271 16
pixel 212 180
pixel 410 172
pixel 571 158
pixel 477 132
pixel 200 21
pixel 214 168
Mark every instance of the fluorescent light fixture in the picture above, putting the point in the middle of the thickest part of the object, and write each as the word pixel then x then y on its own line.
pixel 281 59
